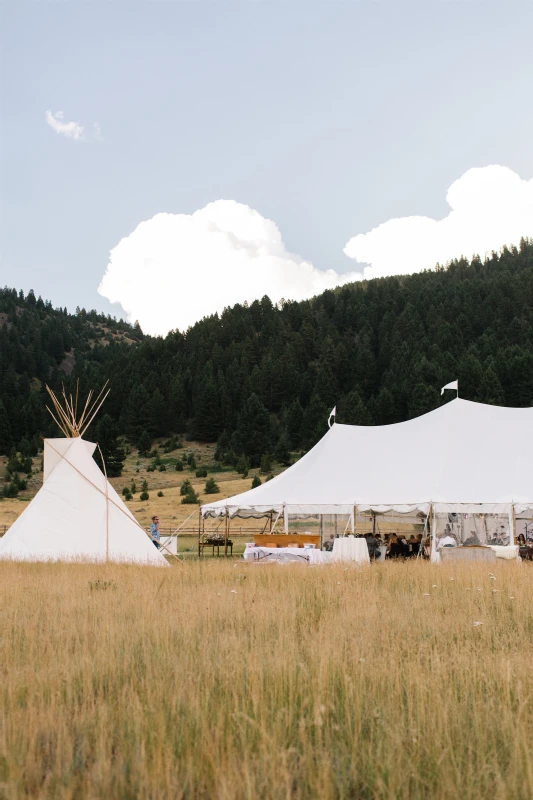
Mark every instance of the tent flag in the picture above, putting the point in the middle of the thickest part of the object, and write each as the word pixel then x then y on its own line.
pixel 452 385
pixel 333 413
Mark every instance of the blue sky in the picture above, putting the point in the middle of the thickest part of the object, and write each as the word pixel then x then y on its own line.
pixel 328 118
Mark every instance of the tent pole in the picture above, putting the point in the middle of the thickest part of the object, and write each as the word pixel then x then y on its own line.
pixel 354 519
pixel 430 530
pixel 199 528
pixel 226 533
pixel 513 524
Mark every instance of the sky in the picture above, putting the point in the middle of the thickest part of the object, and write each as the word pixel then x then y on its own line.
pixel 165 159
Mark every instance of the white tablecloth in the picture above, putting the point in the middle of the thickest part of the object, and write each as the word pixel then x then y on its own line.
pixel 348 548
pixel 382 549
pixel 320 557
pixel 276 553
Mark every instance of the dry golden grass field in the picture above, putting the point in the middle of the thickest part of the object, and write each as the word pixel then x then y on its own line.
pixel 218 680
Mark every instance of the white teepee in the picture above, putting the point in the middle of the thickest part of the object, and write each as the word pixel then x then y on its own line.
pixel 77 515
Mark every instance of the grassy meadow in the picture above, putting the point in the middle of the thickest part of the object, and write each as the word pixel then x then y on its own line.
pixel 217 679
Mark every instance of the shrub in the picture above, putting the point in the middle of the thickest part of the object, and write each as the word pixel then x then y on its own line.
pixel 133 487
pixel 162 468
pixel 243 466
pixel 256 482
pixel 269 477
pixel 191 461
pixel 150 469
pixel 126 491
pixel 201 473
pixel 144 496
pixel 185 487
pixel 211 487
pixel 179 466
pixel 128 495
pixel 190 497
pixel 144 487
pixel 160 494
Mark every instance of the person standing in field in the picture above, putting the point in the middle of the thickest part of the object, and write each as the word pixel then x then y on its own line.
pixel 154 531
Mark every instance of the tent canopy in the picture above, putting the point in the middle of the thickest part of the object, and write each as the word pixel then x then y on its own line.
pixel 460 453
pixel 77 515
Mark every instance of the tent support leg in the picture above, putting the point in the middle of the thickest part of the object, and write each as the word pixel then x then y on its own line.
pixel 199 529
pixel 226 531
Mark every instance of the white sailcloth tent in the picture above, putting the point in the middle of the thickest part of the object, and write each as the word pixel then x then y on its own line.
pixel 462 458
pixel 77 515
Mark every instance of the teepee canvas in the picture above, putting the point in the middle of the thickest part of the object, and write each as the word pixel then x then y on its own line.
pixel 77 515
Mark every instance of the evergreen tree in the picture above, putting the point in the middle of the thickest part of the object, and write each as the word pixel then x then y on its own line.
pixel 107 437
pixel 282 453
pixel 6 439
pixel 211 487
pixel 207 413
pixel 253 434
pixel 144 443
pixel 353 411
pixel 256 481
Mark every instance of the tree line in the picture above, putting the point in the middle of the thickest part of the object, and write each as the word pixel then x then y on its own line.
pixel 261 379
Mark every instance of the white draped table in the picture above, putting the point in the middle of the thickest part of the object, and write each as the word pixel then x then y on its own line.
pixel 276 553
pixel 348 548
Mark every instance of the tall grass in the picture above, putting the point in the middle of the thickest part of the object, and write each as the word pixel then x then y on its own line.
pixel 223 681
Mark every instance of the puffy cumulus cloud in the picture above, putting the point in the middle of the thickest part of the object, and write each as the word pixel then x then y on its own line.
pixel 175 269
pixel 490 207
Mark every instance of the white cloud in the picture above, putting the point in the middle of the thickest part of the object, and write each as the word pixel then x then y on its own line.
pixel 490 207
pixel 175 269
pixel 72 130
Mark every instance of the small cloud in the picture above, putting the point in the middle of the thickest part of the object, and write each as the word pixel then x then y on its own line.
pixel 490 207
pixel 72 130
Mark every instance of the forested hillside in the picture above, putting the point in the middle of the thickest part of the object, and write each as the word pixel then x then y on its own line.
pixel 263 378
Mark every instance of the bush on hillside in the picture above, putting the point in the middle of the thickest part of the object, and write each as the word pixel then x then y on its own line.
pixel 211 487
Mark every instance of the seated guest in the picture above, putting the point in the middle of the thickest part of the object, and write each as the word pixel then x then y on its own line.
pixel 473 539
pixel 521 541
pixel 328 545
pixel 414 544
pixel 396 549
pixel 448 540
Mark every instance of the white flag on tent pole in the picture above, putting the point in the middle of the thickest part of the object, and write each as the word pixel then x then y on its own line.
pixel 332 414
pixel 452 385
